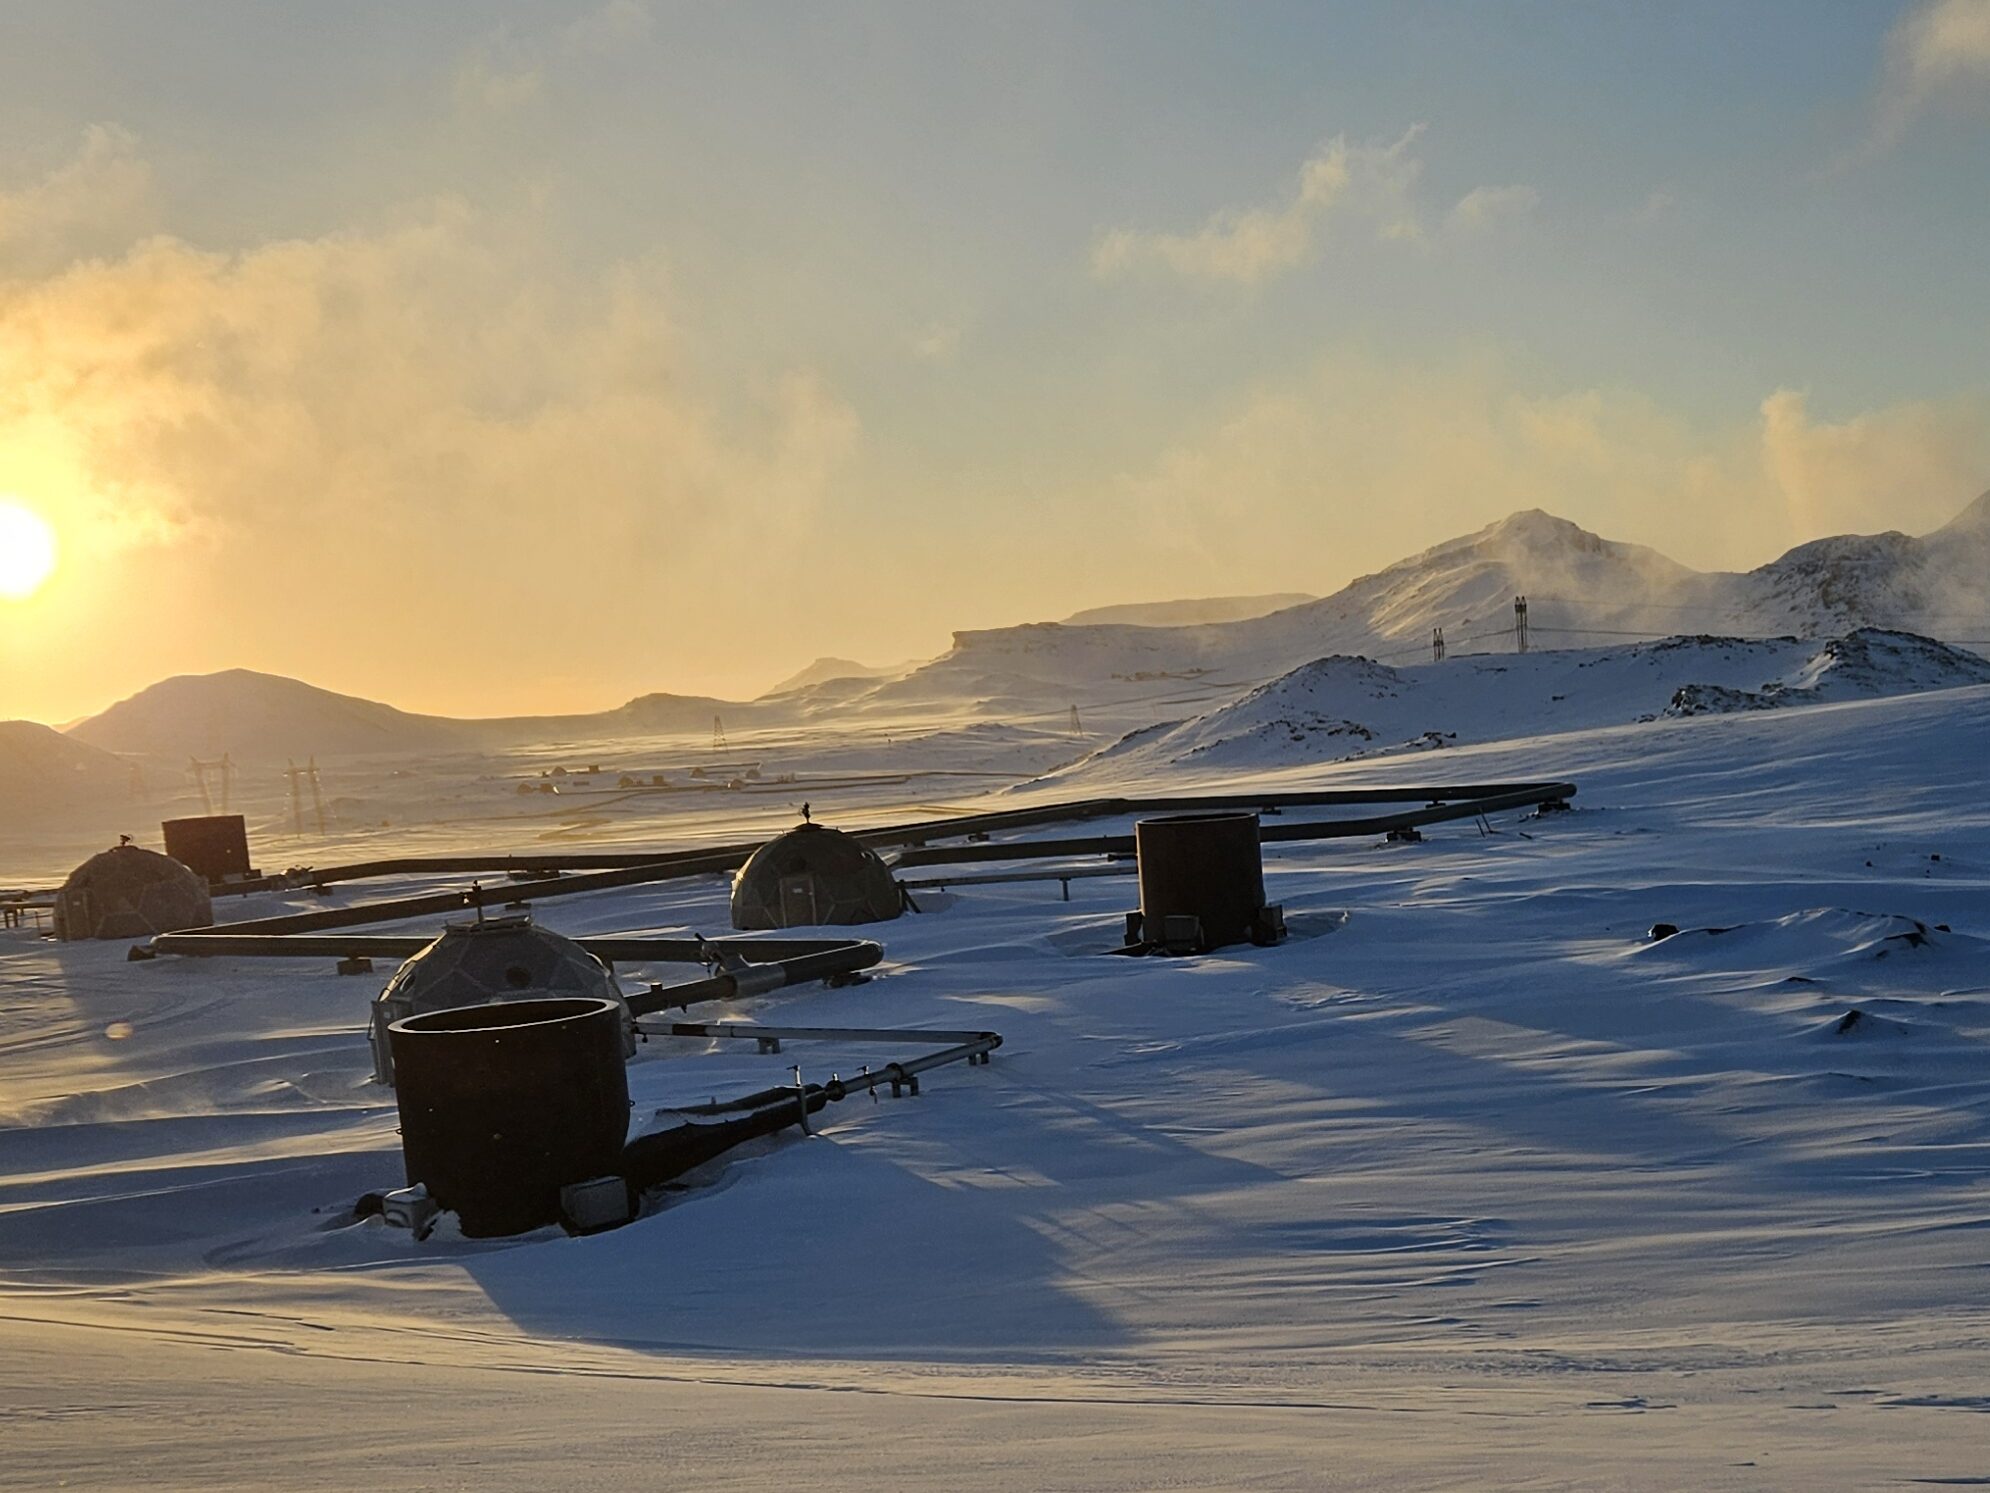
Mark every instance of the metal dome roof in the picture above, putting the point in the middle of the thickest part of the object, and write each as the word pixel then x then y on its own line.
pixel 476 964
pixel 130 892
pixel 498 959
pixel 812 876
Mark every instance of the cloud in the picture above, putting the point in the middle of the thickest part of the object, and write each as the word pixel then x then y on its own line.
pixel 1938 51
pixel 101 194
pixel 1485 208
pixel 937 341
pixel 434 424
pixel 1345 462
pixel 510 69
pixel 485 84
pixel 1908 466
pixel 1369 183
pixel 438 374
pixel 607 29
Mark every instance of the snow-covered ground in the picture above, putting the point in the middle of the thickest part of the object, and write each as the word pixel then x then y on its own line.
pixel 1349 707
pixel 1470 1182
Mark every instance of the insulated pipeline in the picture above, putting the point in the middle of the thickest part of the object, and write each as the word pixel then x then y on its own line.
pixel 748 966
pixel 1464 807
pixel 709 1131
pixel 601 870
pixel 1440 803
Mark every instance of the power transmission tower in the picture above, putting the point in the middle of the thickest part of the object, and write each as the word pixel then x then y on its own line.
pixel 317 794
pixel 1520 624
pixel 718 734
pixel 224 765
pixel 1437 645
pixel 1077 726
pixel 294 773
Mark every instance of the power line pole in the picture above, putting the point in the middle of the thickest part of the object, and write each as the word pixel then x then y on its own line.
pixel 294 773
pixel 317 794
pixel 225 765
pixel 1520 624
pixel 1437 645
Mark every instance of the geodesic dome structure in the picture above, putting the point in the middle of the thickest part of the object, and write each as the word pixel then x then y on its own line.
pixel 811 876
pixel 482 963
pixel 131 893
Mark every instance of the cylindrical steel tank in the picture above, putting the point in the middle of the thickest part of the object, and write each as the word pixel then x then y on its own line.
pixel 213 845
pixel 1202 866
pixel 503 1105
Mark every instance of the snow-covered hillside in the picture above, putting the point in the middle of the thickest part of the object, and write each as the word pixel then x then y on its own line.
pixel 1469 1182
pixel 1938 583
pixel 1465 585
pixel 835 670
pixel 41 770
pixel 252 715
pixel 1860 666
pixel 1581 589
pixel 1349 707
pixel 266 717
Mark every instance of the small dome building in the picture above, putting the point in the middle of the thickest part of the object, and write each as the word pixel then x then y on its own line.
pixel 129 892
pixel 814 876
pixel 482 963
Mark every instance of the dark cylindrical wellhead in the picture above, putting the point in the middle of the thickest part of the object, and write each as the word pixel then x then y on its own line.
pixel 1205 867
pixel 503 1105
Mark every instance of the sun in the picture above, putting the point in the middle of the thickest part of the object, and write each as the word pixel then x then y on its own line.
pixel 27 550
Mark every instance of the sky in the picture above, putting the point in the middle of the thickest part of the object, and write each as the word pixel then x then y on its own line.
pixel 495 358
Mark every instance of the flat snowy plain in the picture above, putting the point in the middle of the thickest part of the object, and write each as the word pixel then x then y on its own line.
pixel 1469 1183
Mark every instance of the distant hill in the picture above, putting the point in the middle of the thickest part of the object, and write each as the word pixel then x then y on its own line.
pixel 1465 585
pixel 830 670
pixel 267 717
pixel 260 716
pixel 1582 590
pixel 1937 584
pixel 1341 707
pixel 40 767
pixel 1187 613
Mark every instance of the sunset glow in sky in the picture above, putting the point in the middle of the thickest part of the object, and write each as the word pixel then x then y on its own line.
pixel 489 358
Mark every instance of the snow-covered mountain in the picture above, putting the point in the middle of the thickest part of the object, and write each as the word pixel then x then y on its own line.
pixel 839 672
pixel 1581 590
pixel 1189 611
pixel 1342 707
pixel 1937 584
